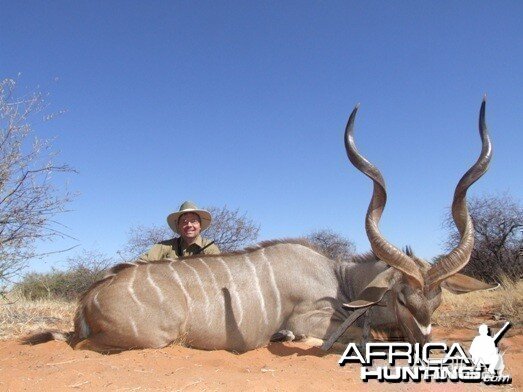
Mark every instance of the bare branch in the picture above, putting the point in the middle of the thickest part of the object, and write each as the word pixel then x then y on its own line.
pixel 28 197
pixel 141 238
pixel 498 220
pixel 332 244
pixel 230 229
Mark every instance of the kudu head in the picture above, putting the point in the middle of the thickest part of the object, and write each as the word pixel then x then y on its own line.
pixel 413 285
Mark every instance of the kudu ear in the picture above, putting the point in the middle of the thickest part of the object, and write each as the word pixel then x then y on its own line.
pixel 375 290
pixel 460 284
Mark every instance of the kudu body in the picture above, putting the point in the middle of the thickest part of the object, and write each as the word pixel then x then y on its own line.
pixel 234 302
pixel 238 301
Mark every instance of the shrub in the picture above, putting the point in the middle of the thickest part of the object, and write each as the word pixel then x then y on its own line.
pixel 83 271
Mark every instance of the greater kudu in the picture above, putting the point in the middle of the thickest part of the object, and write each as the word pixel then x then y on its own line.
pixel 238 301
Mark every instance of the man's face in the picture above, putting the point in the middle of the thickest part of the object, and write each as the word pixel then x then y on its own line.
pixel 189 226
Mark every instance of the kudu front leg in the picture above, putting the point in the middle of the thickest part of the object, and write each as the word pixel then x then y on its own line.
pixel 366 331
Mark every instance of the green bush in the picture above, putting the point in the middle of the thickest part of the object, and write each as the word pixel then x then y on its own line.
pixel 83 271
pixel 57 284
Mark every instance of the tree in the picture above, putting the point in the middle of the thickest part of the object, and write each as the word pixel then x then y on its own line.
pixel 332 244
pixel 498 221
pixel 230 229
pixel 29 201
pixel 140 238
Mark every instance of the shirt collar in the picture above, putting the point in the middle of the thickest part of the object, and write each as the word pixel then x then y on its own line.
pixel 198 242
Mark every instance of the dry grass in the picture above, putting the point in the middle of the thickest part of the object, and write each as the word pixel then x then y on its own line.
pixel 19 316
pixel 503 303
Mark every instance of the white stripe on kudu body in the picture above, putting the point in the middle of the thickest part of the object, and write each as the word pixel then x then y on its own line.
pixel 258 289
pixel 233 289
pixel 206 309
pixel 176 277
pixel 130 289
pixel 218 296
pixel 273 284
pixel 153 283
pixel 95 300
pixel 134 327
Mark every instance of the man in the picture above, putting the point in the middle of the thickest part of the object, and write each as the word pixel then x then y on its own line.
pixel 188 222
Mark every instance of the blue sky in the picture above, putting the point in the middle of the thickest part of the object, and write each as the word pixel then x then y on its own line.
pixel 245 104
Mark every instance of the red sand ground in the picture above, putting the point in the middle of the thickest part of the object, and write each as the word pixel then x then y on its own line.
pixel 54 366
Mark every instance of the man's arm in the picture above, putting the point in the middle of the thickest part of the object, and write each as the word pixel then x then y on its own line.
pixel 157 252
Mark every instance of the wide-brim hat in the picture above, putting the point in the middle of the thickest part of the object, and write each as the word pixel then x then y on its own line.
pixel 189 206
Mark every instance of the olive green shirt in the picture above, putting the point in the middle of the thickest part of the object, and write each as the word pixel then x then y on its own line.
pixel 176 247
